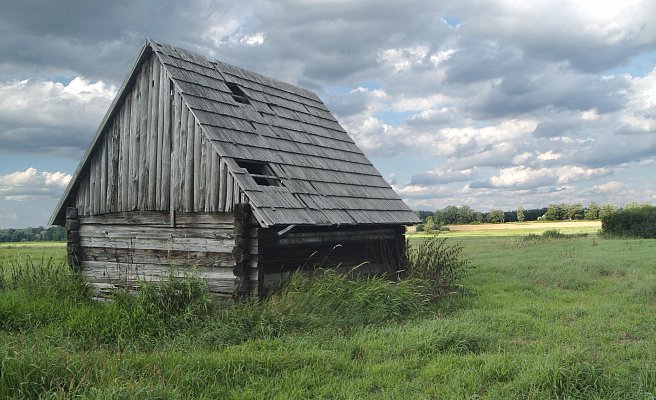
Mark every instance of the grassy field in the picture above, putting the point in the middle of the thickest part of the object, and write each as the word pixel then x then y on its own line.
pixel 517 229
pixel 540 318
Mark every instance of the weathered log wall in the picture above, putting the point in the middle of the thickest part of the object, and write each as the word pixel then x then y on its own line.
pixel 153 156
pixel 121 249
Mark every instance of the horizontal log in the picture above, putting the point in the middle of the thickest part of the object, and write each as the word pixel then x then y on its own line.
pixel 174 244
pixel 121 271
pixel 155 218
pixel 160 232
pixel 159 257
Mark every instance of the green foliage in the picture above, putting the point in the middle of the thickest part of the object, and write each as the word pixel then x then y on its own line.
pixel 495 216
pixel 429 224
pixel 40 234
pixel 592 212
pixel 549 234
pixel 436 262
pixel 634 221
pixel 520 214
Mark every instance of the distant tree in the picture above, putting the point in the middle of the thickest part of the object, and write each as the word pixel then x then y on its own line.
pixel 574 211
pixel 553 213
pixel 606 210
pixel 450 215
pixel 478 217
pixel 429 224
pixel 635 205
pixel 520 214
pixel 592 212
pixel 495 216
pixel 465 215
pixel 438 218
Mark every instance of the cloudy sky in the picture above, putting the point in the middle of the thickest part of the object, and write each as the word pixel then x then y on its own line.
pixel 490 103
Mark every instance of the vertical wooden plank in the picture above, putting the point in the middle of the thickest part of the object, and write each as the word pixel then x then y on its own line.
pixel 126 126
pixel 202 171
pixel 211 174
pixel 221 185
pixel 102 204
pixel 92 184
pixel 229 192
pixel 115 163
pixel 182 156
pixel 175 150
pixel 165 188
pixel 129 155
pixel 141 167
pixel 162 97
pixel 85 194
pixel 189 164
pixel 121 173
pixel 132 124
pixel 235 193
pixel 110 169
pixel 197 162
pixel 217 201
pixel 153 157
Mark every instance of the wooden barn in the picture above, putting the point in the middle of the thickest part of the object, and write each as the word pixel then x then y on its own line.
pixel 200 164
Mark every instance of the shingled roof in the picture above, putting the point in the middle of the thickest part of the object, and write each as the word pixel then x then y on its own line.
pixel 289 137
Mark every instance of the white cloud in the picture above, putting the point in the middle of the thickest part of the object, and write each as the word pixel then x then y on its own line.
pixel 522 176
pixel 32 184
pixel 45 116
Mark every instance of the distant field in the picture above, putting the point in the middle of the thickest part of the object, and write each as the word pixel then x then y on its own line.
pixel 12 251
pixel 518 228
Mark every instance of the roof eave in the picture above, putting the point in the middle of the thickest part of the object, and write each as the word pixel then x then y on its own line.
pixel 58 216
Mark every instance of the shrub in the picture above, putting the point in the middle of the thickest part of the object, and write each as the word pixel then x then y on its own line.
pixel 435 261
pixel 553 234
pixel 638 221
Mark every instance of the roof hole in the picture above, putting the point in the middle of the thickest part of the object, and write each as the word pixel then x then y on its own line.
pixel 237 94
pixel 261 172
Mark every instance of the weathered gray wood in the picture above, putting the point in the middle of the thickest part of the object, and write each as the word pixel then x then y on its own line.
pixel 206 259
pixel 189 164
pixel 235 192
pixel 196 168
pixel 158 232
pixel 124 134
pixel 165 190
pixel 200 155
pixel 110 199
pixel 158 123
pixel 160 218
pixel 92 186
pixel 142 167
pixel 182 156
pixel 175 148
pixel 97 270
pixel 219 185
pixel 116 150
pixel 133 152
pixel 181 244
pixel 153 157
pixel 229 190
pixel 102 205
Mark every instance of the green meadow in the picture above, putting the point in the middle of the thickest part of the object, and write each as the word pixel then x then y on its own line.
pixel 536 318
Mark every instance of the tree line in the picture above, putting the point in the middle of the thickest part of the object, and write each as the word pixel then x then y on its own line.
pixel 454 215
pixel 40 234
